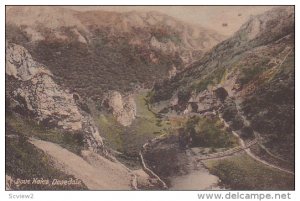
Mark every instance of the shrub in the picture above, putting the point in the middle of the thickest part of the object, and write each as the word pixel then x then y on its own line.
pixel 207 133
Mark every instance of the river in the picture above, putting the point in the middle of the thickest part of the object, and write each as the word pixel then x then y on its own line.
pixel 197 177
pixel 178 168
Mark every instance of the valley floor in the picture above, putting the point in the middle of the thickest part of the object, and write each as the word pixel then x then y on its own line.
pixel 240 170
pixel 231 170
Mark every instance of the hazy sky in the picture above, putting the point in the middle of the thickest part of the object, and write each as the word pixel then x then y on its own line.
pixel 208 16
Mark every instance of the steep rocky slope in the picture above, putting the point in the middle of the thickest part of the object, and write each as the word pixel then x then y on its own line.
pixel 248 78
pixel 32 92
pixel 37 107
pixel 106 50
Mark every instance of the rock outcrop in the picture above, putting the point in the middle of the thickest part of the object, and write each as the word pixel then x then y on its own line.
pixel 8 182
pixel 164 47
pixel 20 64
pixel 123 108
pixel 202 102
pixel 40 97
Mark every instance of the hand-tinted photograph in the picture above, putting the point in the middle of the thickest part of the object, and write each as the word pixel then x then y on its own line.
pixel 150 98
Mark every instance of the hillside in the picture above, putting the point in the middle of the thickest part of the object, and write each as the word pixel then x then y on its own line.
pixel 107 50
pixel 248 78
pixel 56 61
pixel 51 135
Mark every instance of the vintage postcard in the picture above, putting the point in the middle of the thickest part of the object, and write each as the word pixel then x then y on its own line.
pixel 150 98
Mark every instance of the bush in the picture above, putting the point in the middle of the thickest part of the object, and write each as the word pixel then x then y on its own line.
pixel 207 133
pixel 249 74
pixel 247 132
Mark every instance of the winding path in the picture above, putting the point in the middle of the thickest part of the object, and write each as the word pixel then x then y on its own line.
pixel 227 152
pixel 248 151
pixel 145 166
pixel 98 173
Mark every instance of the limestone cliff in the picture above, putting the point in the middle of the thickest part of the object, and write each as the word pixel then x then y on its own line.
pixel 122 107
pixel 36 94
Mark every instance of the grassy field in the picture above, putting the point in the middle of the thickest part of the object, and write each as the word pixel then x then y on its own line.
pixel 241 172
